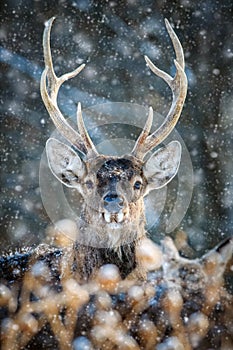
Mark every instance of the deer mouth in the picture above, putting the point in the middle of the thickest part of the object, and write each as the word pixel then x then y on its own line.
pixel 113 217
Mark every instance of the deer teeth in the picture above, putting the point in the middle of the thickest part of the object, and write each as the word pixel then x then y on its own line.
pixel 120 217
pixel 107 217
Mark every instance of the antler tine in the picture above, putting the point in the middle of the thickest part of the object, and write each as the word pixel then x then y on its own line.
pixel 49 95
pixel 176 44
pixel 178 85
pixel 144 134
pixel 84 134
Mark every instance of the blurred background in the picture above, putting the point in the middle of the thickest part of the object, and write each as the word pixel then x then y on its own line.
pixel 112 37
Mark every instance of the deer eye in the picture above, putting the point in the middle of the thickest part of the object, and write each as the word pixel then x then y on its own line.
pixel 137 185
pixel 89 184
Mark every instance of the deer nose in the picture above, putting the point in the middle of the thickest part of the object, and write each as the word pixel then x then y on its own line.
pixel 113 203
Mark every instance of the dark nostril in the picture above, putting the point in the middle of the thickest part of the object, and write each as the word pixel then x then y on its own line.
pixel 112 198
pixel 121 202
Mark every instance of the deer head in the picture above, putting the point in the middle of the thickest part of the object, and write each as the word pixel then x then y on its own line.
pixel 113 187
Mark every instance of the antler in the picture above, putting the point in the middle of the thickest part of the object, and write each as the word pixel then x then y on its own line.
pixel 49 95
pixel 178 85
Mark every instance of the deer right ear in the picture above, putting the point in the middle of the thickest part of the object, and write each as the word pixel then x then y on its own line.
pixel 64 163
pixel 162 166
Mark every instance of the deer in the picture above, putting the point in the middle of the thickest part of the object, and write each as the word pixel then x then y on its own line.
pixel 113 187
pixel 49 290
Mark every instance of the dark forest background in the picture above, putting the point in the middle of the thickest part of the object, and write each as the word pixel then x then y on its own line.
pixel 112 37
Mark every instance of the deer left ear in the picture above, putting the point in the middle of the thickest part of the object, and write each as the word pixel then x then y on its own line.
pixel 162 166
pixel 64 163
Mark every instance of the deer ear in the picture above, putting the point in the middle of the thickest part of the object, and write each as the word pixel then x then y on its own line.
pixel 64 163
pixel 162 166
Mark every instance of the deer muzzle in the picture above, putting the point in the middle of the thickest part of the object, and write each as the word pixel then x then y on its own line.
pixel 113 207
pixel 113 202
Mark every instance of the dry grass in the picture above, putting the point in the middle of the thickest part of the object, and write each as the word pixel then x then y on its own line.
pixel 182 305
